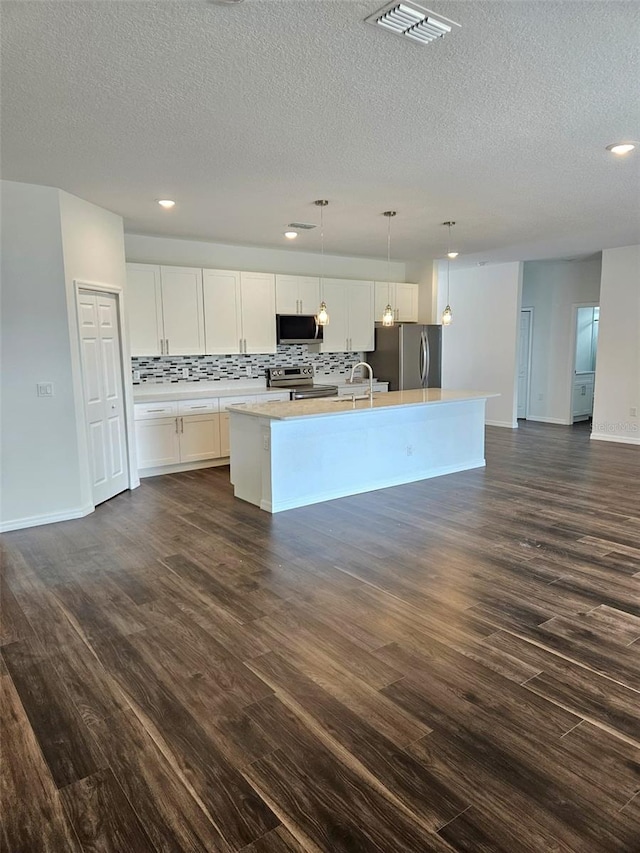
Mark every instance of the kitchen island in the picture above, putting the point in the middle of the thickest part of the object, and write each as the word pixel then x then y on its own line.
pixel 291 454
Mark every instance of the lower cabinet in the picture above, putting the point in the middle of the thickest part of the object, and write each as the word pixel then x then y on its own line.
pixel 583 397
pixel 169 441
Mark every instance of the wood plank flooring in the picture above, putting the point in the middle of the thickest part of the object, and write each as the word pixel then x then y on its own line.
pixel 451 665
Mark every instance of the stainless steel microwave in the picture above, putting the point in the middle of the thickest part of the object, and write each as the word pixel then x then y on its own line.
pixel 298 329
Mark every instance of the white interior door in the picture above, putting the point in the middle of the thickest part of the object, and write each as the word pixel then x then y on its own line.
pixel 103 393
pixel 524 344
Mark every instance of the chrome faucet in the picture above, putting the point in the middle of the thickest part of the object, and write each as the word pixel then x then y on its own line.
pixel 370 369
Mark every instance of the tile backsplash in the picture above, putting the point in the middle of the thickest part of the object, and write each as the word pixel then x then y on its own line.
pixel 211 368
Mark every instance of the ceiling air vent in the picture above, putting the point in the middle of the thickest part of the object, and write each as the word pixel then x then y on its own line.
pixel 412 21
pixel 301 226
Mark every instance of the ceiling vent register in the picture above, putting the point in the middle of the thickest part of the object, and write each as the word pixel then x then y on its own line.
pixel 412 21
pixel 302 226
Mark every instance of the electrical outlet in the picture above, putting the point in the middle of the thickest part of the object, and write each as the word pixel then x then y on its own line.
pixel 633 411
pixel 409 450
pixel 185 372
pixel 248 370
pixel 136 376
pixel 45 389
pixel 540 397
pixel 265 442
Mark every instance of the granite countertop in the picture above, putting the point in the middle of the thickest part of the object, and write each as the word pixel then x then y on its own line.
pixel 163 392
pixel 328 406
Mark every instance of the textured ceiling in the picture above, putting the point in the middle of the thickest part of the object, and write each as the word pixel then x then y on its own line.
pixel 245 114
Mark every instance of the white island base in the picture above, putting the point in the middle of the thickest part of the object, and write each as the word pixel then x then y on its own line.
pixel 291 454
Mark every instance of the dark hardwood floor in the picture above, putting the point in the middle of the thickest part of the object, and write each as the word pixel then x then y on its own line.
pixel 451 665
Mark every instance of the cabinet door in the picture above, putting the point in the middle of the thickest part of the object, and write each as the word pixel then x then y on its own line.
pixel 258 305
pixel 335 334
pixel 157 442
pixel 309 294
pixel 406 302
pixel 222 315
pixel 144 309
pixel 382 298
pixel 182 310
pixel 199 437
pixel 287 296
pixel 225 444
pixel 360 313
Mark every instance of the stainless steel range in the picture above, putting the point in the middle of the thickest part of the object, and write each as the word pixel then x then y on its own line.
pixel 299 381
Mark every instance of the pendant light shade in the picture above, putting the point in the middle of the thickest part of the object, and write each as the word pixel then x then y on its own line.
pixel 322 317
pixel 387 315
pixel 447 314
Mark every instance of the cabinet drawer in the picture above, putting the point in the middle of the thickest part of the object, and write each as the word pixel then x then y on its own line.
pixel 146 411
pixel 197 407
pixel 225 402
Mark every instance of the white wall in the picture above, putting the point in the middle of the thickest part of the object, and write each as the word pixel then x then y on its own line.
pixel 425 274
pixel 552 288
pixel 167 250
pixel 618 362
pixel 48 239
pixel 479 348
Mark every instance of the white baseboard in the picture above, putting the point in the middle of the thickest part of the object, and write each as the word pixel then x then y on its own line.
pixel 617 439
pixel 505 424
pixel 50 518
pixel 541 420
pixel 183 466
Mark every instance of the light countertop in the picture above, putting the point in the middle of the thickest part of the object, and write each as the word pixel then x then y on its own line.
pixel 327 406
pixel 163 392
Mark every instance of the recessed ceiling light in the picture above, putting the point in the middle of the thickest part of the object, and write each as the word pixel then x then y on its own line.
pixel 291 235
pixel 620 147
pixel 166 203
pixel 452 254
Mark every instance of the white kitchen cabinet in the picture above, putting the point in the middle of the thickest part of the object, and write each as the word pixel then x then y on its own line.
pixel 144 309
pixel 182 310
pixel 165 310
pixel 351 318
pixel 403 298
pixel 258 304
pixel 191 434
pixel 239 312
pixel 157 442
pixel 297 294
pixel 199 437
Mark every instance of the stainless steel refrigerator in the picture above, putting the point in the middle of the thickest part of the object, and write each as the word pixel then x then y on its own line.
pixel 407 355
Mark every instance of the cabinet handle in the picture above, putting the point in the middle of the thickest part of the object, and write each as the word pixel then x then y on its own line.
pixel 149 411
pixel 240 345
pixel 176 426
pixel 167 347
pixel 245 344
pixel 197 407
pixel 181 424
pixel 161 346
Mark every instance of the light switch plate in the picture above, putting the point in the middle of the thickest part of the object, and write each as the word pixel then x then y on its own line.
pixel 45 389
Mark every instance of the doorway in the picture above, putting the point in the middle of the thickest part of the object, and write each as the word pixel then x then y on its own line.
pixel 524 361
pixel 586 326
pixel 103 386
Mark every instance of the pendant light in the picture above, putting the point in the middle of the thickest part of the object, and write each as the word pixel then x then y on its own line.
pixel 387 314
pixel 447 314
pixel 322 318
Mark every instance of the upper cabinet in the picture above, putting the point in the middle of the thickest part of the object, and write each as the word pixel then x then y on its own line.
pixel 297 294
pixel 239 312
pixel 165 310
pixel 403 298
pixel 351 317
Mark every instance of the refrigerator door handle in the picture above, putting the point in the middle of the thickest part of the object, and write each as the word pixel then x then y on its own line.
pixel 427 360
pixel 422 358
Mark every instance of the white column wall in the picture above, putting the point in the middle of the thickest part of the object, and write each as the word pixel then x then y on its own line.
pixel 49 238
pixel 40 478
pixel 617 389
pixel 479 349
